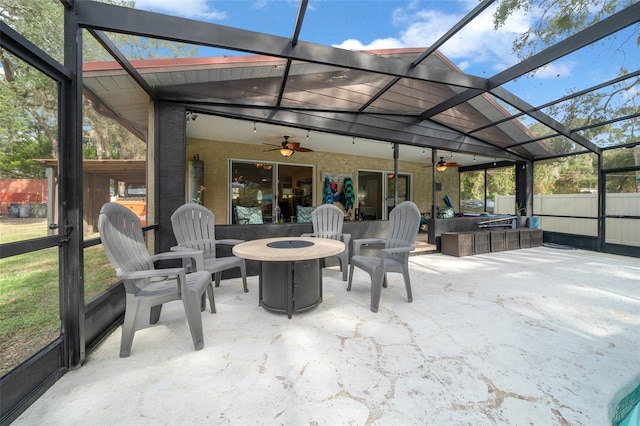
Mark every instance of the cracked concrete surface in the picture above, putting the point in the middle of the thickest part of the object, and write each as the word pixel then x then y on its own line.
pixel 533 336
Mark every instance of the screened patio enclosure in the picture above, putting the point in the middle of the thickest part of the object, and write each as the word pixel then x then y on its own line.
pixel 409 104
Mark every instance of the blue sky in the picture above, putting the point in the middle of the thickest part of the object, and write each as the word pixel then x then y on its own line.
pixel 374 24
pixel 360 24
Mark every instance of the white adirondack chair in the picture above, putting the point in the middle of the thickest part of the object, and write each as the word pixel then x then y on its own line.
pixel 194 229
pixel 404 221
pixel 327 221
pixel 146 287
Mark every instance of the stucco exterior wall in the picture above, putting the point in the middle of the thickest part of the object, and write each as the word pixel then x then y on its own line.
pixel 216 155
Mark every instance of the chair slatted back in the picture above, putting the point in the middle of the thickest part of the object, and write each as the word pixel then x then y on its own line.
pixel 404 222
pixel 122 239
pixel 194 227
pixel 327 221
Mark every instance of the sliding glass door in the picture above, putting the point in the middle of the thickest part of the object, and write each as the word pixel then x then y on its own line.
pixel 268 192
pixel 376 196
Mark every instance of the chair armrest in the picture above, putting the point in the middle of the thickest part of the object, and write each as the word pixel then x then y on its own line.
pixel 151 273
pixel 308 235
pixel 345 239
pixel 182 253
pixel 229 242
pixel 384 253
pixel 364 241
pixel 388 251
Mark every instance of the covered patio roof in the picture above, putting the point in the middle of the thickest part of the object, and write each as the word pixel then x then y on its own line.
pixel 415 97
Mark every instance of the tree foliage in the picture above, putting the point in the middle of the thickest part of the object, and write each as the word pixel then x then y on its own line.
pixel 557 20
pixel 29 99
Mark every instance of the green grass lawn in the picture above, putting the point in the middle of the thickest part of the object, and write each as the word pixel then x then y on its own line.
pixel 29 294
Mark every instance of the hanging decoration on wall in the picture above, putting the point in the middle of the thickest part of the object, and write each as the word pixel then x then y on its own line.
pixel 335 190
pixel 349 193
pixel 327 193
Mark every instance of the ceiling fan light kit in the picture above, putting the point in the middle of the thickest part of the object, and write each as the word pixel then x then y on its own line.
pixel 442 165
pixel 286 152
pixel 287 149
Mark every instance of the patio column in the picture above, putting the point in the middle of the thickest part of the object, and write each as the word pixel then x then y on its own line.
pixel 524 186
pixel 170 169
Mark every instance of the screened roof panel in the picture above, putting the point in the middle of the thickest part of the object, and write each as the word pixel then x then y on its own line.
pixel 459 119
pixel 613 134
pixel 411 96
pixel 497 52
pixel 330 87
pixel 489 107
pixel 433 88
pixel 511 110
pixel 482 111
pixel 582 69
pixel 519 128
pixel 558 145
pixel 238 91
pixel 620 157
pixel 325 97
pixel 188 72
pixel 608 103
pixel 114 92
pixel 356 18
pixel 16 15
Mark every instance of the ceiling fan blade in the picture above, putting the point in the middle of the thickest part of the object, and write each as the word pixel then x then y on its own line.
pixel 296 147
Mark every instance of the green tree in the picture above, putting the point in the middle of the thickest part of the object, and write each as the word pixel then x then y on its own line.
pixel 559 19
pixel 29 98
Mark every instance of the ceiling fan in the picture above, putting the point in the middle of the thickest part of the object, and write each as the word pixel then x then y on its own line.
pixel 442 165
pixel 286 148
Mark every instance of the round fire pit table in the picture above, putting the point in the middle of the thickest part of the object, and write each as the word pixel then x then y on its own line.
pixel 290 272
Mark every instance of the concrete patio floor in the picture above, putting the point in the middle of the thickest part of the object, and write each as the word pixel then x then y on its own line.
pixel 539 336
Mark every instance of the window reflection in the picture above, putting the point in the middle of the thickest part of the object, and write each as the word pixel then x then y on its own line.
pixel 269 192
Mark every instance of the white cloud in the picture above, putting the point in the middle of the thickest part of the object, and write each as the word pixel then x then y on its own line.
pixel 464 65
pixel 556 70
pixel 630 94
pixel 383 43
pixel 476 45
pixel 196 9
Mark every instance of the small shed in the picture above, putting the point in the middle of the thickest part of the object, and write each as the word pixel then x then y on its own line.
pixel 96 176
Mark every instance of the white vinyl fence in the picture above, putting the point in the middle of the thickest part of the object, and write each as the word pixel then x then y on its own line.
pixel 583 209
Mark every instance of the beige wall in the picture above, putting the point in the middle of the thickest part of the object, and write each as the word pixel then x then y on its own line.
pixel 216 155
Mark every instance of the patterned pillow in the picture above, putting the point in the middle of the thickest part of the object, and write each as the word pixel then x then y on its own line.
pixel 303 214
pixel 446 212
pixel 249 214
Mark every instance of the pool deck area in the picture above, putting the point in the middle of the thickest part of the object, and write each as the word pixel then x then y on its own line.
pixel 541 336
